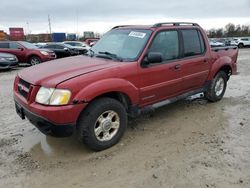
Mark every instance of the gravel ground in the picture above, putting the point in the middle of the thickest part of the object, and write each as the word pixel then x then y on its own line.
pixel 186 144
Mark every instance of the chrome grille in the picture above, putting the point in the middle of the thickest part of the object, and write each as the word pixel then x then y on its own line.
pixel 24 88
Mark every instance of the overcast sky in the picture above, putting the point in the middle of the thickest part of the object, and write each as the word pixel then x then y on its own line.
pixel 73 16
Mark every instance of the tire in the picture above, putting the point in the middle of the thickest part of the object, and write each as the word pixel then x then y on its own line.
pixel 34 60
pixel 217 88
pixel 241 45
pixel 102 124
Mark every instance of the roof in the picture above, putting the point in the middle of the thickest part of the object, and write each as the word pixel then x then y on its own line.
pixel 158 25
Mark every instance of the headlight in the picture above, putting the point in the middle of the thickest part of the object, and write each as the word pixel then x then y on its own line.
pixel 60 97
pixel 44 52
pixel 51 96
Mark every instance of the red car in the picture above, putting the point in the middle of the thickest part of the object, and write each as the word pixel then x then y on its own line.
pixel 91 41
pixel 131 70
pixel 26 52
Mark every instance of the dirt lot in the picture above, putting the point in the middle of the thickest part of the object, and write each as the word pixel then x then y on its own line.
pixel 186 144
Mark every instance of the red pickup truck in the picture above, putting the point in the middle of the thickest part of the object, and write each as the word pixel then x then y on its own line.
pixel 130 70
pixel 26 52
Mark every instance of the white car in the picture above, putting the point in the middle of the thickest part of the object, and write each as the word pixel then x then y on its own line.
pixel 214 43
pixel 241 42
pixel 81 46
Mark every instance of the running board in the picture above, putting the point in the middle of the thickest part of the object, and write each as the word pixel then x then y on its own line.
pixel 135 111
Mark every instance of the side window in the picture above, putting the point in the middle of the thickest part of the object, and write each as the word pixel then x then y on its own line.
pixel 50 46
pixel 59 47
pixel 166 43
pixel 193 42
pixel 4 45
pixel 14 45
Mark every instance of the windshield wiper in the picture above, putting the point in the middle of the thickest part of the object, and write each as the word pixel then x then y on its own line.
pixel 113 56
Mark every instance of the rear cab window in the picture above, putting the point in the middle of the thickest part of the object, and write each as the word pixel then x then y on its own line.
pixel 193 43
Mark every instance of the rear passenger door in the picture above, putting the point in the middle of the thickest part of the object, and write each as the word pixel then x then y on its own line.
pixel 13 48
pixel 195 60
pixel 18 50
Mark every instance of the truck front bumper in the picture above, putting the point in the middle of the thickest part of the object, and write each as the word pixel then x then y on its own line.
pixel 45 126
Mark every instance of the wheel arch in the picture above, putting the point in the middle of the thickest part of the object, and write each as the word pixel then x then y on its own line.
pixel 116 88
pixel 222 64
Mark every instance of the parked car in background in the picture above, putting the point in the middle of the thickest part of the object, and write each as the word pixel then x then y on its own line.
pixel 61 50
pixel 147 68
pixel 214 43
pixel 91 41
pixel 8 61
pixel 234 42
pixel 40 44
pixel 26 52
pixel 242 42
pixel 82 47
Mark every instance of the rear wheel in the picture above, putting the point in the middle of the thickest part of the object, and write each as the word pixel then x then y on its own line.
pixel 102 124
pixel 34 60
pixel 217 88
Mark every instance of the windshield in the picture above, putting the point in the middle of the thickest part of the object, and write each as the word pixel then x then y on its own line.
pixel 75 44
pixel 68 45
pixel 127 44
pixel 28 45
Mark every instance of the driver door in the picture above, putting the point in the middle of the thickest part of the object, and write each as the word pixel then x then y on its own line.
pixel 161 80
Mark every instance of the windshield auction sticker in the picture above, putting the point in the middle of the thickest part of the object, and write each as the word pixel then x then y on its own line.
pixel 137 34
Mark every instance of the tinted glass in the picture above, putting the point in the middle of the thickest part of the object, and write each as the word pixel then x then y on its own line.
pixel 4 45
pixel 193 43
pixel 167 44
pixel 59 47
pixel 71 43
pixel 49 46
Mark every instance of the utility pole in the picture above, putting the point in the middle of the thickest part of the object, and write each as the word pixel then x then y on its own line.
pixel 27 28
pixel 77 24
pixel 49 27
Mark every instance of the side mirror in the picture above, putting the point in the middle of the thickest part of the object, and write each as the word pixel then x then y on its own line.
pixel 20 48
pixel 66 49
pixel 154 57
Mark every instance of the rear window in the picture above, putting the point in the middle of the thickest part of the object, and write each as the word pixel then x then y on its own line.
pixel 193 42
pixel 4 45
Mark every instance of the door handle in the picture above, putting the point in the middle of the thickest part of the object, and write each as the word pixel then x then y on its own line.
pixel 177 67
pixel 205 61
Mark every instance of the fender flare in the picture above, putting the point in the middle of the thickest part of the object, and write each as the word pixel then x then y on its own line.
pixel 218 64
pixel 109 85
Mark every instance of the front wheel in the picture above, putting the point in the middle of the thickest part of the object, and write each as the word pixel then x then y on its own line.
pixel 217 88
pixel 102 124
pixel 241 45
pixel 34 60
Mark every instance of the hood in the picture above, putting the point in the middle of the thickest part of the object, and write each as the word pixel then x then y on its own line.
pixel 51 73
pixel 6 55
